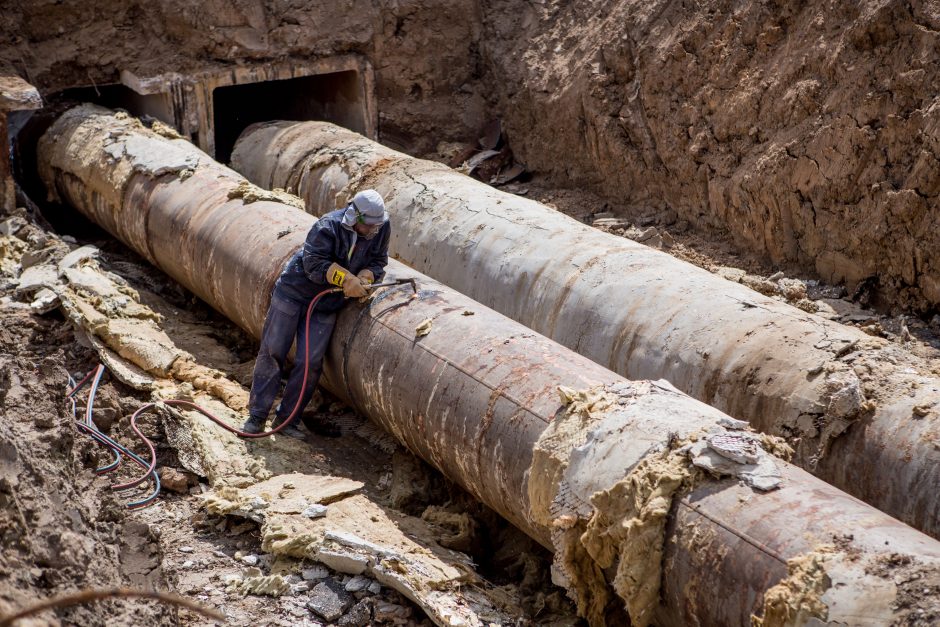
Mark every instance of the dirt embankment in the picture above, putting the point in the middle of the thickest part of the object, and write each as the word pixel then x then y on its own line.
pixel 426 53
pixel 809 132
pixel 61 527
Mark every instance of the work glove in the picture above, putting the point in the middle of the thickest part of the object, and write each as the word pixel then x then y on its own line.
pixel 353 288
pixel 341 277
pixel 366 277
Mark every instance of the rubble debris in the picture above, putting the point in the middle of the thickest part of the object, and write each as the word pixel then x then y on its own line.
pixel 357 583
pixel 315 573
pixel 329 600
pixel 315 511
pixel 253 581
pixel 273 496
pixel 176 481
pixel 359 616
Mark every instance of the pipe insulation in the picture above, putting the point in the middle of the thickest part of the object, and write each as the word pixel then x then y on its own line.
pixel 608 473
pixel 861 413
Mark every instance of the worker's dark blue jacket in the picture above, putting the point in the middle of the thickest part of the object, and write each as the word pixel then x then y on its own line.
pixel 328 242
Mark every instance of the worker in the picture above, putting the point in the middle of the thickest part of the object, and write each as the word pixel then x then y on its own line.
pixel 346 248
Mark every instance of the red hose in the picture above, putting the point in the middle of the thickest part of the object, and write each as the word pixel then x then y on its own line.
pixel 190 405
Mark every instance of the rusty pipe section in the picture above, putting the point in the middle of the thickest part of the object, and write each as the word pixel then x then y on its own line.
pixel 861 413
pixel 478 398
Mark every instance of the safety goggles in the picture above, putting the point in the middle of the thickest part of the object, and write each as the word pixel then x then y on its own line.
pixel 360 219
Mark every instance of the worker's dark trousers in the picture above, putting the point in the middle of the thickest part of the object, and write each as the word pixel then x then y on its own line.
pixel 285 321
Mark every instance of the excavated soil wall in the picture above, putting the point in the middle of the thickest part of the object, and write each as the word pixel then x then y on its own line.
pixel 808 131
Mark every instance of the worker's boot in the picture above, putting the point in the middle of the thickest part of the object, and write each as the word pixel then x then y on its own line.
pixel 292 430
pixel 254 424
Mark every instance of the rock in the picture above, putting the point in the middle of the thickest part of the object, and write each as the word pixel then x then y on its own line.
pixel 359 616
pixel 36 277
pixel 315 511
pixel 610 223
pixel 314 573
pixel 647 234
pixel 77 256
pixel 33 257
pixel 386 612
pixel 12 226
pixel 357 583
pixel 845 395
pixel 249 560
pixel 375 587
pixel 792 289
pixel 174 480
pixel 730 274
pixel 105 417
pixel 732 423
pixel 185 549
pixel 329 600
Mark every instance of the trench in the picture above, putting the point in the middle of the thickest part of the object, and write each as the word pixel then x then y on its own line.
pixel 334 96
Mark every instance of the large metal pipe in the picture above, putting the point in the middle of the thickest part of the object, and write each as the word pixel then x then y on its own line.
pixel 861 413
pixel 478 398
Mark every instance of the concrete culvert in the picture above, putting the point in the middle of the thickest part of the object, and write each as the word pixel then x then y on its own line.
pixel 862 414
pixel 644 493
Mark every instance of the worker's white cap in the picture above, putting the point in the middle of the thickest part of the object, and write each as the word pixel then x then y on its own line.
pixel 370 207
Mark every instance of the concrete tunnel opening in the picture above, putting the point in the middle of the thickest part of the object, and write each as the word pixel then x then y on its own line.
pixel 334 96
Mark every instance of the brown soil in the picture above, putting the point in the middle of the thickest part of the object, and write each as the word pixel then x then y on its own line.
pixel 61 527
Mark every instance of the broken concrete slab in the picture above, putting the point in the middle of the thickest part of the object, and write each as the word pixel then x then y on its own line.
pixel 284 494
pixel 329 600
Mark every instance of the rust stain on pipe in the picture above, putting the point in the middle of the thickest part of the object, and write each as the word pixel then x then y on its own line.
pixel 478 397
pixel 861 413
